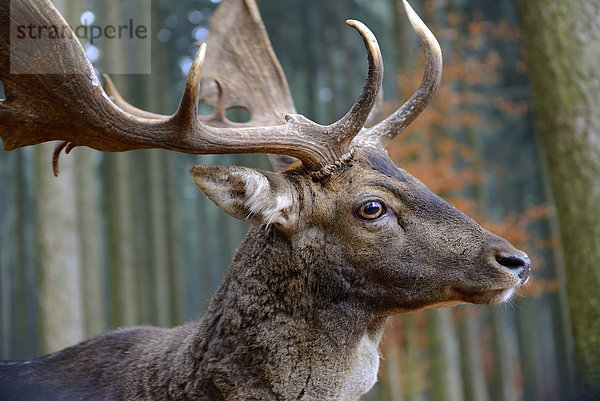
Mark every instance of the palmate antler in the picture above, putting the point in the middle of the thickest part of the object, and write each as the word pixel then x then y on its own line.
pixel 74 108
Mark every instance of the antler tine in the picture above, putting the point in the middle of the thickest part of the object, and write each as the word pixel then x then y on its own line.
pixel 187 113
pixel 386 130
pixel 350 125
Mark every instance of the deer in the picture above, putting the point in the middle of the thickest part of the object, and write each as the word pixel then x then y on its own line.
pixel 340 240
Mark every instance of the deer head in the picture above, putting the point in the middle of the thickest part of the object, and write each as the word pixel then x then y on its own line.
pixel 384 227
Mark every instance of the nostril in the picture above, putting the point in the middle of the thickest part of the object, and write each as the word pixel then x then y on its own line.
pixel 513 261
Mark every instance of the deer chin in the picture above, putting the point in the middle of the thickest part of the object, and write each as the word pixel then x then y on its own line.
pixel 486 296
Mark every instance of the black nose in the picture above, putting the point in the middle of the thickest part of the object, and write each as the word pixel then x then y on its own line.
pixel 514 261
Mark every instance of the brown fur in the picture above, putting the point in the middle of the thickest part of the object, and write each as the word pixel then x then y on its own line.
pixel 304 304
pixel 305 300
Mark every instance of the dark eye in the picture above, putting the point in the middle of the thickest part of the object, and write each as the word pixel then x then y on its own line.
pixel 371 210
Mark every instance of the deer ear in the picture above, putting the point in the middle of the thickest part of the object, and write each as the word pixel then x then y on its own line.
pixel 254 196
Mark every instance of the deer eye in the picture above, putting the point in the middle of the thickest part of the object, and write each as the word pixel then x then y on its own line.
pixel 370 210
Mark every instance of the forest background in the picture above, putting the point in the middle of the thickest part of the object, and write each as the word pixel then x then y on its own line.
pixel 126 239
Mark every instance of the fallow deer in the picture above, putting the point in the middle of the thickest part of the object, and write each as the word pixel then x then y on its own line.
pixel 341 240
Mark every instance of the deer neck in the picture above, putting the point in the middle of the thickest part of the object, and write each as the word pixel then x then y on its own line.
pixel 276 327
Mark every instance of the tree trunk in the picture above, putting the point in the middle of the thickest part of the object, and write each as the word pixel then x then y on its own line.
pixel 561 40
pixel 58 251
pixel 60 297
pixel 413 385
pixel 505 387
pixel 446 383
pixel 8 325
pixel 474 382
pixel 88 223
pixel 124 309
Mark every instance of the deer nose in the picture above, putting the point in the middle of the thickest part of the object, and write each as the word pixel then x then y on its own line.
pixel 518 263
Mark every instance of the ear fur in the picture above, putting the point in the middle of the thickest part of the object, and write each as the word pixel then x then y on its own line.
pixel 254 196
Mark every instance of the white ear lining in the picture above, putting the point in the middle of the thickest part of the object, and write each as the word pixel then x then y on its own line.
pixel 263 201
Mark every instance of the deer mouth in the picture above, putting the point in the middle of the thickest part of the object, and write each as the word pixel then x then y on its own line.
pixel 513 269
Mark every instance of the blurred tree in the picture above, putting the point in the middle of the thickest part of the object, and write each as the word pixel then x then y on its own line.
pixel 121 227
pixel 561 41
pixel 157 247
pixel 58 249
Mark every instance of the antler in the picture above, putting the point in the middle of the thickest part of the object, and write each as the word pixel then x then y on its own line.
pixel 72 107
pixel 75 109
pixel 380 134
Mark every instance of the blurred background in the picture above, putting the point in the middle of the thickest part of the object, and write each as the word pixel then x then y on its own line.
pixel 127 239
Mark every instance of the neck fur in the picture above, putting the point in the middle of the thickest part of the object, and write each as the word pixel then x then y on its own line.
pixel 280 328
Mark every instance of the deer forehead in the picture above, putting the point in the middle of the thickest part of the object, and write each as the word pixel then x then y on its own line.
pixel 371 172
